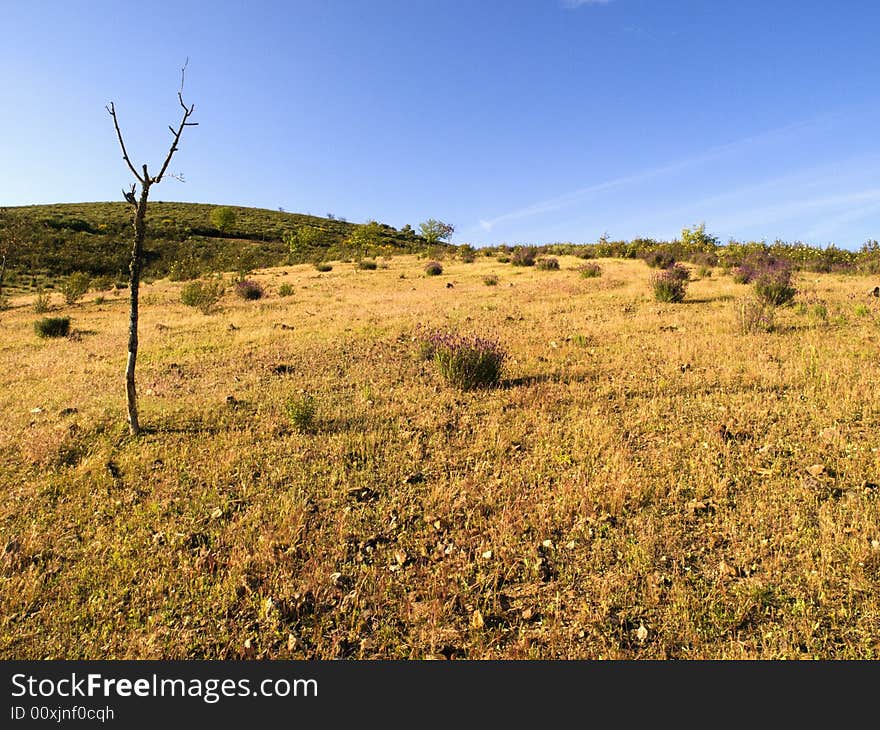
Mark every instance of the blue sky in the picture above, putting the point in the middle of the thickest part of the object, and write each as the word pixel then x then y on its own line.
pixel 519 121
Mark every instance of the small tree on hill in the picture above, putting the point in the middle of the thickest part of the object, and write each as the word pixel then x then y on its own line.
pixel 139 204
pixel 223 218
pixel 697 238
pixel 364 238
pixel 302 240
pixel 434 231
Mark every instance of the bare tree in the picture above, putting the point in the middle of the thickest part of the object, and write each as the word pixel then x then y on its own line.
pixel 139 203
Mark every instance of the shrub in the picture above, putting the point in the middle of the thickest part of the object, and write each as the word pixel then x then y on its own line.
pixel 52 326
pixel 668 287
pixel 285 290
pixel 705 259
pixel 433 268
pixel 41 301
pixel 503 259
pixel 490 280
pixel 659 259
pixel 184 269
pixel 202 295
pixel 367 264
pixel 100 300
pixel 249 289
pixel 465 362
pixel 301 411
pixel 590 271
pixel 547 263
pixel 861 310
pixel 742 274
pixel 523 256
pixel 773 283
pixel 102 283
pixel 753 315
pixel 323 266
pixel 75 286
pixel 679 271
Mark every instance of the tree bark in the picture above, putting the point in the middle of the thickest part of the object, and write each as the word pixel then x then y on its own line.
pixel 134 291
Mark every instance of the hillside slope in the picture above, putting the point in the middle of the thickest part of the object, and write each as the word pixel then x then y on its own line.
pixel 95 237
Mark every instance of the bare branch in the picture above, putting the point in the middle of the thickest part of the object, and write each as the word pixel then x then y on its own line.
pixel 187 111
pixel 111 109
pixel 129 195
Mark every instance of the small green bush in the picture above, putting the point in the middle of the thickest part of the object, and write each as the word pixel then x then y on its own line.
pixel 52 326
pixel 249 289
pixel 185 269
pixel 590 271
pixel 323 266
pixel 668 287
pixel 465 362
pixel 523 256
pixel 679 271
pixel 433 268
pixel 75 286
pixel 490 280
pixel 547 263
pixel 774 288
pixel 202 294
pixel 285 290
pixel 41 301
pixel 301 410
pixel 367 264
pixel 102 283
pixel 659 259
pixel 753 315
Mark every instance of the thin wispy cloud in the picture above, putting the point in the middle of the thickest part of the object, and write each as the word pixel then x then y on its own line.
pixel 835 210
pixel 572 4
pixel 581 195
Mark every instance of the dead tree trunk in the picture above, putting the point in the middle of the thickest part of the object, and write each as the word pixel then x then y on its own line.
pixel 139 203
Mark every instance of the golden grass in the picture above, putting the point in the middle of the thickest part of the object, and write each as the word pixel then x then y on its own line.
pixel 646 484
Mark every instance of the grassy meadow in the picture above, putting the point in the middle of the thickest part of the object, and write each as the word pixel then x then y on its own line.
pixel 646 482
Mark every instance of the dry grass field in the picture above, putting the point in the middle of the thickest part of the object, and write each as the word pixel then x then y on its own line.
pixel 646 482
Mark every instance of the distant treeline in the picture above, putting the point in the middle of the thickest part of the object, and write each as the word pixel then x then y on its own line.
pixel 699 248
pixel 185 240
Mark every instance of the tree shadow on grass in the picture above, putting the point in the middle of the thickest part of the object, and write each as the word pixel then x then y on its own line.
pixel 527 381
pixel 709 300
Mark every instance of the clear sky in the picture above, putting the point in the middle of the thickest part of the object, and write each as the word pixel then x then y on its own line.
pixel 517 121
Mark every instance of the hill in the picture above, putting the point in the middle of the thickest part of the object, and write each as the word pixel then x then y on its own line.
pixel 95 238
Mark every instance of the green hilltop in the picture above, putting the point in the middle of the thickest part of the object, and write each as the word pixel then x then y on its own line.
pixel 96 238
